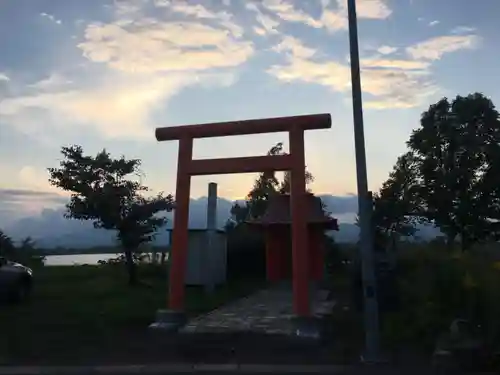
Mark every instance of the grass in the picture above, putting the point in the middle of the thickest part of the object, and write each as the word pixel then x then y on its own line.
pixel 89 312
pixel 345 321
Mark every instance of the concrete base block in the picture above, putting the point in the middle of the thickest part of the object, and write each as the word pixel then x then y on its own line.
pixel 169 321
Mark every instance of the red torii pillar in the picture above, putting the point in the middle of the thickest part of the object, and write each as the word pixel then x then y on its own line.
pixel 294 162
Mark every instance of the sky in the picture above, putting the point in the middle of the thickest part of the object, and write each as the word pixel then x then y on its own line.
pixel 105 74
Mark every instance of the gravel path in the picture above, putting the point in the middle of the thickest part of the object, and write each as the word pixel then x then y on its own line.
pixel 267 311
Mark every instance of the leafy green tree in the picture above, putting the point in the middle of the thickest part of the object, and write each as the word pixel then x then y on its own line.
pixel 246 246
pixel 28 244
pixel 395 207
pixel 104 191
pixel 27 253
pixel 455 173
pixel 265 186
pixel 239 213
pixel 7 247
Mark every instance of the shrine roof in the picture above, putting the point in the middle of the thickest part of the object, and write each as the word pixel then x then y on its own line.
pixel 278 212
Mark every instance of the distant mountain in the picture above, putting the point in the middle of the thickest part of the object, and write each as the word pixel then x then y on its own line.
pixel 50 229
pixel 349 233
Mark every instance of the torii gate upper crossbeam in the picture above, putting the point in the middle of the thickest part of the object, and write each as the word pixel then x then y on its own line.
pixel 245 127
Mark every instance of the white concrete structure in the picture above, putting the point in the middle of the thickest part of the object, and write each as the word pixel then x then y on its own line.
pixel 206 265
pixel 207 253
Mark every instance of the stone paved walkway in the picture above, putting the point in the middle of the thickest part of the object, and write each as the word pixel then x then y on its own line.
pixel 267 311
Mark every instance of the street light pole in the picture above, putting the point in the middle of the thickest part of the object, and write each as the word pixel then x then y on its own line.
pixel 365 207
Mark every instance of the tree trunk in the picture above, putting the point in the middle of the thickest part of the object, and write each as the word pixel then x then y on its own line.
pixel 131 267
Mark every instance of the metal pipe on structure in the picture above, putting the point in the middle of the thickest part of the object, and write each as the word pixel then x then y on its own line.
pixel 210 236
pixel 372 349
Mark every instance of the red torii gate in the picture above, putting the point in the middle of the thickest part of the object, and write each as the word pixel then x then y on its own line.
pixel 294 162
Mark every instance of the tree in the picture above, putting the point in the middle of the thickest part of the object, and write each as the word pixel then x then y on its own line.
pixel 455 172
pixel 395 207
pixel 265 186
pixel 104 192
pixel 6 245
pixel 246 248
pixel 239 213
pixel 28 244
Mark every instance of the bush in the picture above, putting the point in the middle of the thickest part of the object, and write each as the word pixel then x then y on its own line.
pixel 25 253
pixel 438 286
pixel 333 256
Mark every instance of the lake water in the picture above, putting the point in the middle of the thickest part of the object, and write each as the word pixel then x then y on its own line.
pixel 79 259
pixel 76 259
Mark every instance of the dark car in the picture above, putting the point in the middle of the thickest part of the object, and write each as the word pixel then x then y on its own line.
pixel 15 281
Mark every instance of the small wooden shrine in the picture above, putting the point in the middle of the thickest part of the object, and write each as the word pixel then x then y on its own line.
pixel 276 225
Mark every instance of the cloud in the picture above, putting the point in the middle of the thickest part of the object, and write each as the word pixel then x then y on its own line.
pixel 259 31
pixel 386 50
pixel 332 74
pixel 139 64
pixel 336 19
pixel 36 179
pixel 434 23
pixel 199 11
pixel 19 203
pixel 16 195
pixel 162 3
pixel 396 88
pixel 267 24
pixel 394 64
pixel 288 12
pixel 435 48
pixel 114 108
pixel 333 18
pixel 463 30
pixel 391 83
pixel 295 47
pixel 4 77
pixel 50 17
pixel 54 81
pixel 155 47
pixel 370 9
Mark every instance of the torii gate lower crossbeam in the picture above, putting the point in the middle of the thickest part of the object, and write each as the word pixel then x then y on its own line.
pixel 294 162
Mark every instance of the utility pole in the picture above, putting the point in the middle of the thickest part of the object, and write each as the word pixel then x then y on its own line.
pixel 370 306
